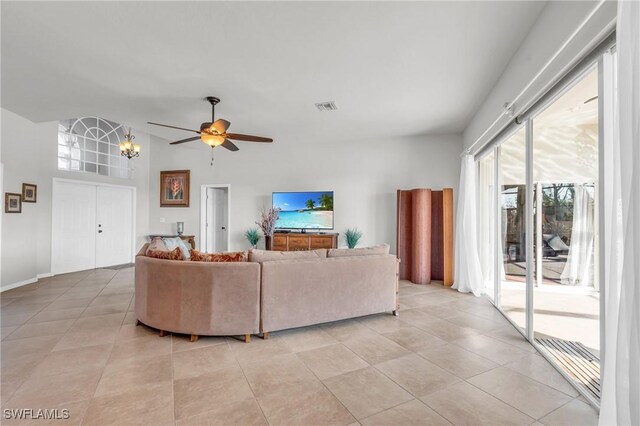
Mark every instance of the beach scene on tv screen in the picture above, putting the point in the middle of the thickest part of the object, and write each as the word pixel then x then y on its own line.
pixel 304 210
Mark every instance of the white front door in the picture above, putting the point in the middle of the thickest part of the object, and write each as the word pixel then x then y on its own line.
pixel 114 221
pixel 92 226
pixel 73 236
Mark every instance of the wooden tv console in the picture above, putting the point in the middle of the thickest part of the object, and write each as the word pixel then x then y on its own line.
pixel 291 241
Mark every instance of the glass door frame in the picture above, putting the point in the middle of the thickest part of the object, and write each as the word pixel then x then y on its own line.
pixel 606 92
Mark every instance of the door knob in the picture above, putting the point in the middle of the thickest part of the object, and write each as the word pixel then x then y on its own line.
pixel 224 227
pixel 99 231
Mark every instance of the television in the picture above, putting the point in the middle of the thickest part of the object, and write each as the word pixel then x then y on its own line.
pixel 304 210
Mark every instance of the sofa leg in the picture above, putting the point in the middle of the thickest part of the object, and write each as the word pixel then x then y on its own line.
pixel 138 322
pixel 265 335
pixel 396 313
pixel 163 333
pixel 247 338
pixel 194 337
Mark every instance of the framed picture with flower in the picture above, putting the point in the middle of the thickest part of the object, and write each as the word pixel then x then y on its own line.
pixel 174 188
pixel 12 202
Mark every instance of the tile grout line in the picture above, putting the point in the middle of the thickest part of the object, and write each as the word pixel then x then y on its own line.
pixel 564 405
pixel 248 383
pixel 325 385
pixel 227 342
pixel 35 313
pixel 462 379
pixel 173 379
pixel 49 352
pixel 403 388
pixel 369 366
pixel 539 382
pixel 484 333
pixel 504 402
pixel 107 359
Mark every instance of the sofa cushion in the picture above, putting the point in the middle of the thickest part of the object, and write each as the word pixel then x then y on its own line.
pixel 156 245
pixel 172 243
pixel 174 254
pixel 364 251
pixel 238 256
pixel 256 255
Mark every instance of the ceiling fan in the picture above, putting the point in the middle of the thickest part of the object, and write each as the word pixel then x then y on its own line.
pixel 214 133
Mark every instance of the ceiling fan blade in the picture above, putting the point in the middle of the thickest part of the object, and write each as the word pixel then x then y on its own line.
pixel 248 138
pixel 195 138
pixel 220 125
pixel 230 145
pixel 173 127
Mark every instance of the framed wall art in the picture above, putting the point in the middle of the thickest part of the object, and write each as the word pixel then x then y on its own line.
pixel 29 193
pixel 174 188
pixel 12 202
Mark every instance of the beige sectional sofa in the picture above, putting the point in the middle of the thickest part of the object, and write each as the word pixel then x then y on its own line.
pixel 273 291
pixel 198 298
pixel 301 292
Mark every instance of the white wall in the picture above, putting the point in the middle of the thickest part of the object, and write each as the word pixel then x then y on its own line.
pixel 364 176
pixel 19 231
pixel 558 21
pixel 29 154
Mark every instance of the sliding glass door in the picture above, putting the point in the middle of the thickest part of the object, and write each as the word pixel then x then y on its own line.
pixel 538 200
pixel 512 244
pixel 566 297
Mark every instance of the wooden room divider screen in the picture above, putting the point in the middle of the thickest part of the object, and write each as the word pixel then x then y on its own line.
pixel 425 235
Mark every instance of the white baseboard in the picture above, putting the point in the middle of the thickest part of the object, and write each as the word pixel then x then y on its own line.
pixel 25 282
pixel 18 284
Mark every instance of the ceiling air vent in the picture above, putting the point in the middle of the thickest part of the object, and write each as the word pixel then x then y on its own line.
pixel 326 106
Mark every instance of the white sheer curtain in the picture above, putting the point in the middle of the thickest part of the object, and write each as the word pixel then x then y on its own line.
pixel 486 223
pixel 578 270
pixel 467 273
pixel 620 403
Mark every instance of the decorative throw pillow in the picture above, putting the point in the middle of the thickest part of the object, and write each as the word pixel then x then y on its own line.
pixel 156 245
pixel 196 256
pixel 172 243
pixel 175 254
pixel 239 256
pixel 364 251
pixel 256 255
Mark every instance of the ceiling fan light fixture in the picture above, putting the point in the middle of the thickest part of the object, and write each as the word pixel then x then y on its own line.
pixel 214 132
pixel 212 140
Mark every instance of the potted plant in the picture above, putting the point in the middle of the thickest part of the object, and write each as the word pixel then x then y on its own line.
pixel 267 223
pixel 252 236
pixel 352 236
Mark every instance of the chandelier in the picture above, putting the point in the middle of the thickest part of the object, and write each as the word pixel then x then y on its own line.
pixel 128 148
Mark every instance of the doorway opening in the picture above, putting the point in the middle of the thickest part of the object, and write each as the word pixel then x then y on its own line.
pixel 214 218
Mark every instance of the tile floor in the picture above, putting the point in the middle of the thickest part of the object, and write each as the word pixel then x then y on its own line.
pixel 70 342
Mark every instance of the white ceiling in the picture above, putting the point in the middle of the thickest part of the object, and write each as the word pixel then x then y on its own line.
pixel 393 68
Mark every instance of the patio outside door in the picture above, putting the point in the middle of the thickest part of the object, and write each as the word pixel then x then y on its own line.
pixel 539 201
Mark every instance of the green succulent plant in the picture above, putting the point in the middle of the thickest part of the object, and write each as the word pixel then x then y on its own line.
pixel 352 236
pixel 252 236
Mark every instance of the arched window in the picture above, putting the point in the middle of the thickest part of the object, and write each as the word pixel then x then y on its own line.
pixel 90 145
